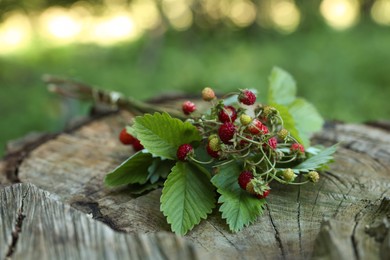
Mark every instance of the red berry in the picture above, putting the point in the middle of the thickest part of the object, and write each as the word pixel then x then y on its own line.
pixel 264 195
pixel 125 137
pixel 227 114
pixel 256 127
pixel 184 151
pixel 211 152
pixel 137 145
pixel 244 178
pixel 273 142
pixel 226 132
pixel 296 147
pixel 188 107
pixel 247 97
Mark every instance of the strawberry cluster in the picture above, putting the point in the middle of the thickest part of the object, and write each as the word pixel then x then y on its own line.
pixel 245 132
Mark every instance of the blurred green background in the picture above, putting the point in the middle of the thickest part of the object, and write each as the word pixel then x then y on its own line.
pixel 337 50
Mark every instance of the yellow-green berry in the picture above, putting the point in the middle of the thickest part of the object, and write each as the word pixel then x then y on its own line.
pixel 208 94
pixel 289 175
pixel 214 144
pixel 282 134
pixel 268 110
pixel 245 119
pixel 313 176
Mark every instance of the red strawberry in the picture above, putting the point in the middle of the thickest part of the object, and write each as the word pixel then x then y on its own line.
pixel 226 132
pixel 227 114
pixel 264 195
pixel 273 142
pixel 247 97
pixel 184 151
pixel 125 137
pixel 137 145
pixel 188 107
pixel 244 178
pixel 256 127
pixel 296 147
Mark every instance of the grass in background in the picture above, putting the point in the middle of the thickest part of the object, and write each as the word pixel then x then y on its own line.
pixel 345 74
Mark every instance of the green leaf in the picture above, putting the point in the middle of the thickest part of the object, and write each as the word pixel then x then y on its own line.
pixel 290 125
pixel 239 208
pixel 133 170
pixel 187 197
pixel 138 189
pixel 159 169
pixel 317 161
pixel 307 119
pixel 282 87
pixel 161 134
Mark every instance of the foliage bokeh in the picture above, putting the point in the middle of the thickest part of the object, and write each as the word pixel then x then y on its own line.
pixel 344 73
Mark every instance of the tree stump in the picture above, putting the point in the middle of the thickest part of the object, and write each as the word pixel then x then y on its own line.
pixel 61 208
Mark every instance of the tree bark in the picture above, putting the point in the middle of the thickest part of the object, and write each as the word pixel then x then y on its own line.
pixel 344 216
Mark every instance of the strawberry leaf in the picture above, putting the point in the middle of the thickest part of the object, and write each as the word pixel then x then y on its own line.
pixel 187 197
pixel 282 87
pixel 300 117
pixel 159 169
pixel 161 134
pixel 290 125
pixel 317 161
pixel 133 170
pixel 239 208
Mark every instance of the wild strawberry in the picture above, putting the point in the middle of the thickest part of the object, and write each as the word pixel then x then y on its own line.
pixel 282 134
pixel 244 178
pixel 226 132
pixel 245 119
pixel 125 137
pixel 208 94
pixel 184 151
pixel 247 97
pixel 137 145
pixel 227 114
pixel 289 175
pixel 313 176
pixel 264 195
pixel 273 143
pixel 297 148
pixel 211 152
pixel 188 107
pixel 256 127
pixel 269 111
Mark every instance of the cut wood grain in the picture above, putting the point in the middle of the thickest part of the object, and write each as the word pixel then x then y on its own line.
pixel 299 222
pixel 35 226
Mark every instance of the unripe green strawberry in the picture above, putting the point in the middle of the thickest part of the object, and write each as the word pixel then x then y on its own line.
pixel 282 134
pixel 289 175
pixel 214 143
pixel 245 119
pixel 313 176
pixel 269 111
pixel 208 94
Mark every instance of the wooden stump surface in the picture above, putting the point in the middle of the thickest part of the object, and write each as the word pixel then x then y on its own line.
pixel 63 210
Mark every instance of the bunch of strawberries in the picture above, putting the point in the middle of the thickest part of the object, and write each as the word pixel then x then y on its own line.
pixel 245 132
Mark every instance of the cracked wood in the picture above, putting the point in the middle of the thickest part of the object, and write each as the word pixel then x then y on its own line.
pixel 320 221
